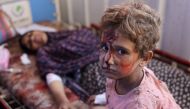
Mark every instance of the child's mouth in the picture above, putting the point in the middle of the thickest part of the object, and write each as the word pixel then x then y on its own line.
pixel 108 72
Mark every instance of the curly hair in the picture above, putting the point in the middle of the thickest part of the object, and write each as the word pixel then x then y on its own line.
pixel 137 21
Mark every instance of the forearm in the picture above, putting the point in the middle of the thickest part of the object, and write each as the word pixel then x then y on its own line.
pixel 56 87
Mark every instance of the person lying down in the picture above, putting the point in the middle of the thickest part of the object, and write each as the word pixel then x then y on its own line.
pixel 68 57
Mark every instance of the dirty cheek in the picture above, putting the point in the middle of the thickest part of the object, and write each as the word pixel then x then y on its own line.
pixel 126 67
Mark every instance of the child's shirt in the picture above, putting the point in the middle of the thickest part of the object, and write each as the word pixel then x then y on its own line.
pixel 150 94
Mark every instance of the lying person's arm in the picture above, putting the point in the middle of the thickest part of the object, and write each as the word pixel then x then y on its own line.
pixel 59 35
pixel 57 89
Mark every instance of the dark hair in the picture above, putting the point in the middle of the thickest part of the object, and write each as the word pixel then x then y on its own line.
pixel 137 21
pixel 23 46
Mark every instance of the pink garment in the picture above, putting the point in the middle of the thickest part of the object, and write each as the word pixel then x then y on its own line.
pixel 4 58
pixel 150 94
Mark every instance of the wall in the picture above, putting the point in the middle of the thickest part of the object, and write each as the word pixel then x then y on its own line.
pixel 176 28
pixel 40 9
pixel 64 11
pixel 74 10
pixel 96 9
pixel 78 11
pixel 43 10
pixel 19 11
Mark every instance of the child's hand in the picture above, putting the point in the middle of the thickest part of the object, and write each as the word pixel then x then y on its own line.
pixel 91 100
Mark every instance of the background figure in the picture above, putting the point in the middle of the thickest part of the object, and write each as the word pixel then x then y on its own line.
pixel 68 57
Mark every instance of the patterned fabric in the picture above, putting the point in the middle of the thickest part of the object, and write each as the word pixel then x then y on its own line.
pixel 93 80
pixel 177 80
pixel 150 94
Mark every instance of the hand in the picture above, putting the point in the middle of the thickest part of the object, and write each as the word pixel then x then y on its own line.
pixel 66 106
pixel 91 100
pixel 57 89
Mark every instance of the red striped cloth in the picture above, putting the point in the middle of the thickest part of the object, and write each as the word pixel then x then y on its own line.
pixel 7 30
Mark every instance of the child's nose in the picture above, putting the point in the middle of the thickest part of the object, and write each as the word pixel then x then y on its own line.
pixel 109 58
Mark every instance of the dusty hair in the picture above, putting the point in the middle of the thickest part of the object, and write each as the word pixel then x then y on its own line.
pixel 137 21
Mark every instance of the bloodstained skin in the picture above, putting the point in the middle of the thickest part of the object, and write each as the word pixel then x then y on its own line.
pixel 109 36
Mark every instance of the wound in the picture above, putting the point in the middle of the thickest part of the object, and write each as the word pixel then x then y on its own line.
pixel 109 35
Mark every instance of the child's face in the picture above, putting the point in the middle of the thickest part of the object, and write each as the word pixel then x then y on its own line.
pixel 118 57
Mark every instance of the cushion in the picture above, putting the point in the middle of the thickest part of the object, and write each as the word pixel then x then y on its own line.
pixel 174 72
pixel 7 29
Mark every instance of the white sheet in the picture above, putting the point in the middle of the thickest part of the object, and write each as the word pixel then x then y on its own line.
pixel 31 27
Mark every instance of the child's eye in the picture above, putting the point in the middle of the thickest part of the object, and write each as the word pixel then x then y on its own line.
pixel 122 51
pixel 104 47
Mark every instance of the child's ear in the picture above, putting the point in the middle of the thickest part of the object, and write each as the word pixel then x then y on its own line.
pixel 147 57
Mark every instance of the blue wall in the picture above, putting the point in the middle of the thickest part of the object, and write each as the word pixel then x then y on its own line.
pixel 42 10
